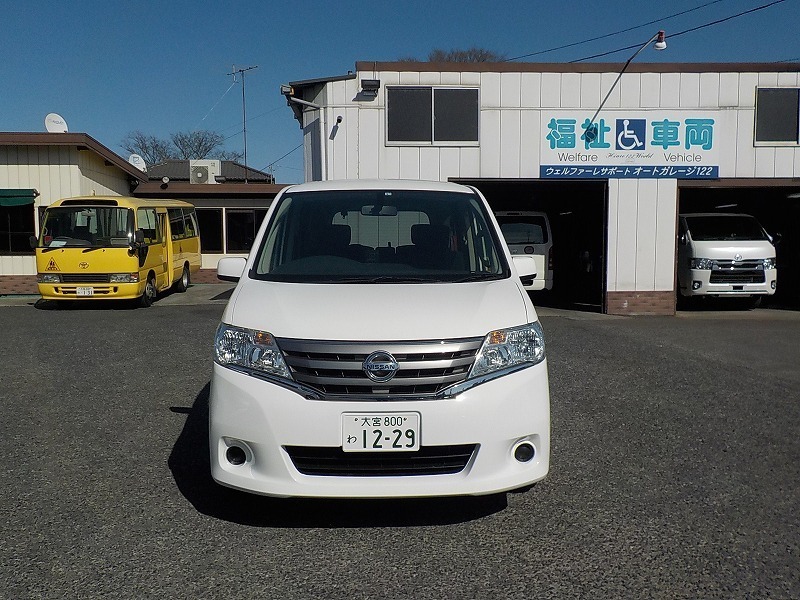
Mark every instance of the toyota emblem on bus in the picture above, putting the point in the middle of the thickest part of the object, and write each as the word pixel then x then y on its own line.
pixel 84 265
pixel 380 366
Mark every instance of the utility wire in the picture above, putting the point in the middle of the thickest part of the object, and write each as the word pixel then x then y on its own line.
pixel 213 107
pixel 600 37
pixel 685 31
pixel 274 162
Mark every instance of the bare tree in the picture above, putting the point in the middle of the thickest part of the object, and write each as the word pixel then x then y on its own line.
pixel 471 55
pixel 190 145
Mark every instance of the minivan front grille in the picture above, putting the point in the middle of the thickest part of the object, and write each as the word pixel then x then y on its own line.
pixel 333 462
pixel 336 368
pixel 740 271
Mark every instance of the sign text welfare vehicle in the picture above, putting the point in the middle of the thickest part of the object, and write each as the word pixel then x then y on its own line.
pixel 107 247
pixel 379 343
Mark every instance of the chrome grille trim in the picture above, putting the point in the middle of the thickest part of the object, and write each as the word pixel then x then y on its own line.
pixel 334 369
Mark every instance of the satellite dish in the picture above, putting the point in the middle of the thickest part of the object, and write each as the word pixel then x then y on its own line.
pixel 138 162
pixel 55 123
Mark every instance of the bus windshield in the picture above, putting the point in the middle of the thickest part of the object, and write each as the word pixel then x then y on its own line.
pixel 87 227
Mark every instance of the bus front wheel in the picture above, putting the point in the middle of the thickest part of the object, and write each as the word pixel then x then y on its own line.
pixel 146 299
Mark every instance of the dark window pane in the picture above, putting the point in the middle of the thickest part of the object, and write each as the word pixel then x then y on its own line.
pixel 16 227
pixel 176 223
pixel 241 230
pixel 210 221
pixel 190 218
pixel 409 116
pixel 455 115
pixel 777 115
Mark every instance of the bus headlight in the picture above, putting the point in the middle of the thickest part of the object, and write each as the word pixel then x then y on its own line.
pixel 124 278
pixel 249 349
pixel 48 278
pixel 508 348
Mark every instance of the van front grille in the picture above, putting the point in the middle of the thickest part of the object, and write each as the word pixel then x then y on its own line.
pixel 85 277
pixel 336 368
pixel 737 276
pixel 335 462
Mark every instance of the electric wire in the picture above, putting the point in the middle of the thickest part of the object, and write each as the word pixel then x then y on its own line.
pixel 685 31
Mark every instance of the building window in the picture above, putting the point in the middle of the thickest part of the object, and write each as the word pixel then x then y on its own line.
pixel 241 225
pixel 16 228
pixel 439 116
pixel 777 115
pixel 210 220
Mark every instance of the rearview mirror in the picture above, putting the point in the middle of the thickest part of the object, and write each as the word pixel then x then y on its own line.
pixel 376 210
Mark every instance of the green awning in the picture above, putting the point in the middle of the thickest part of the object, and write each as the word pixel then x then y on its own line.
pixel 17 197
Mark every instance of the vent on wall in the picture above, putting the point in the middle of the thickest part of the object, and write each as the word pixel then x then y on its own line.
pixel 204 171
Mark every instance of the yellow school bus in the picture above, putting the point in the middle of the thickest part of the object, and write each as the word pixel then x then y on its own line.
pixel 108 247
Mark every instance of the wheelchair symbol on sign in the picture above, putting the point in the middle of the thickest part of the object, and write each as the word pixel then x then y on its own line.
pixel 629 135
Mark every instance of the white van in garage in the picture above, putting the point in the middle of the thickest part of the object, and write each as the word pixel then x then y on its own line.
pixel 528 232
pixel 379 343
pixel 725 255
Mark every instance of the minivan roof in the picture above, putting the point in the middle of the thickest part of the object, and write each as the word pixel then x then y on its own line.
pixel 379 184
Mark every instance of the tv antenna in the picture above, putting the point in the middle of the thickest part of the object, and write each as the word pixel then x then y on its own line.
pixel 242 71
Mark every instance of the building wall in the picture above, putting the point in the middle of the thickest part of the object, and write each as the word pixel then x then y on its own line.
pixel 642 213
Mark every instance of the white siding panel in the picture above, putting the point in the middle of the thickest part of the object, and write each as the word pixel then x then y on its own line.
pixel 386 77
pixel 449 163
pixel 670 96
pixel 351 116
pixel 784 162
pixel 632 88
pixel 729 89
pixel 336 91
pixel 709 90
pixel 765 162
pixel 470 162
pixel 787 79
pixel 530 127
pixel 470 79
pixel 590 90
pixel 612 233
pixel 796 163
pixel 551 90
pixel 726 141
pixel 390 163
pixel 510 90
pixel 690 90
pixel 510 134
pixel 745 152
pixel 650 91
pixel 430 78
pixel 617 93
pixel 490 90
pixel 370 137
pixel 429 164
pixel 571 90
pixel 407 78
pixel 530 91
pixel 747 90
pixel 409 163
pixel 490 143
pixel 451 78
pixel 646 230
pixel 626 241
pixel 666 215
pixel 767 79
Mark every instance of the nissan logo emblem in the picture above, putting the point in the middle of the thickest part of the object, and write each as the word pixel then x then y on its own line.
pixel 380 366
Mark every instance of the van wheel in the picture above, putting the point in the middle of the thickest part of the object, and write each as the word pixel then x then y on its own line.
pixel 146 299
pixel 183 283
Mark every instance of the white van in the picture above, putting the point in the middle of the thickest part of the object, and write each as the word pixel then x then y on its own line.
pixel 725 254
pixel 379 343
pixel 528 232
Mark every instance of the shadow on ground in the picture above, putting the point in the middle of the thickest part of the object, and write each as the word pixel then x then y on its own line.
pixel 189 463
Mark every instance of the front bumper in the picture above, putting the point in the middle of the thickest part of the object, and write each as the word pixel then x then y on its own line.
pixel 265 419
pixel 698 283
pixel 100 291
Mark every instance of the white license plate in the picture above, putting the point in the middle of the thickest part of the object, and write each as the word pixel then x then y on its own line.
pixel 85 291
pixel 380 432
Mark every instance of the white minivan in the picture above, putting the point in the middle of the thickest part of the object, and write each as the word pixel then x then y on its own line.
pixel 725 255
pixel 379 343
pixel 528 232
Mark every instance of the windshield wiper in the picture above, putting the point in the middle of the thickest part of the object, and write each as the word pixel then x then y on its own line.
pixel 383 279
pixel 479 277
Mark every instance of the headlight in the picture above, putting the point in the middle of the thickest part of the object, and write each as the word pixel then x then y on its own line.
pixel 124 278
pixel 510 347
pixel 249 349
pixel 706 264
pixel 770 263
pixel 48 278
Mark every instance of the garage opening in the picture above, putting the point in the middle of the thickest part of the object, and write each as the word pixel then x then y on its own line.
pixel 776 207
pixel 577 212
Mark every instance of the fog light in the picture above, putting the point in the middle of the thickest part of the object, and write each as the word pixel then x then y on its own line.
pixel 524 452
pixel 235 455
pixel 696 285
pixel 774 284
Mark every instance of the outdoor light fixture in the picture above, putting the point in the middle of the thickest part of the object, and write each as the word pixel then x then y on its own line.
pixel 660 44
pixel 370 87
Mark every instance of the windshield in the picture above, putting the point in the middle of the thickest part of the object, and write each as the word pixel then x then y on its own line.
pixel 709 228
pixel 377 236
pixel 87 227
pixel 521 229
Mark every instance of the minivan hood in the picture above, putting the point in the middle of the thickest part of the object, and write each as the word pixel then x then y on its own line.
pixel 727 250
pixel 378 312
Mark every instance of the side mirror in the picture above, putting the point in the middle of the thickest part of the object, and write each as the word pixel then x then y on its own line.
pixel 682 239
pixel 138 237
pixel 34 241
pixel 231 269
pixel 776 238
pixel 528 266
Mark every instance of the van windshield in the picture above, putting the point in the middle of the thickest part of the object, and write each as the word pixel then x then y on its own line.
pixel 379 236
pixel 87 227
pixel 523 229
pixel 708 228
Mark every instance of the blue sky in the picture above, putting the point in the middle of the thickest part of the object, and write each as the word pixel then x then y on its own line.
pixel 161 66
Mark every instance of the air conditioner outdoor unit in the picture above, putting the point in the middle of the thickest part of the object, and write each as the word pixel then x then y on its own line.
pixel 204 171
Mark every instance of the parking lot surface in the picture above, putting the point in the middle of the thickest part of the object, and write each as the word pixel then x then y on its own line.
pixel 675 471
